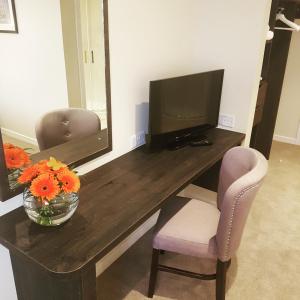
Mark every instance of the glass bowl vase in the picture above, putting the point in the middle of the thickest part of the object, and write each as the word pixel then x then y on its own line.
pixel 50 213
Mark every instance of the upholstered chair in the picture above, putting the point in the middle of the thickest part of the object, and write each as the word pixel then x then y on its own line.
pixel 63 125
pixel 201 229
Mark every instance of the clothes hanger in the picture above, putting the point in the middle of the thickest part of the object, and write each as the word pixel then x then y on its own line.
pixel 292 25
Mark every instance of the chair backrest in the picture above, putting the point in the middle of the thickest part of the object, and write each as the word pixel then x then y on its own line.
pixel 63 125
pixel 241 175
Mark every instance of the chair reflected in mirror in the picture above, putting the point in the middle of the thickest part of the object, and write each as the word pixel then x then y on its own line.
pixel 63 125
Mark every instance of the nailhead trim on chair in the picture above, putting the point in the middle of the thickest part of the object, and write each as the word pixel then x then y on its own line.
pixel 237 199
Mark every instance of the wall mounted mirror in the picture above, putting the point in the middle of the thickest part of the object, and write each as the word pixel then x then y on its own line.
pixel 58 63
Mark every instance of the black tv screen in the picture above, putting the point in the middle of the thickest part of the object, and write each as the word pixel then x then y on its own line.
pixel 185 103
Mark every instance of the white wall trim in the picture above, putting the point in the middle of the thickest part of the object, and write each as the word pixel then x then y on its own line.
pixel 19 136
pixel 298 136
pixel 287 139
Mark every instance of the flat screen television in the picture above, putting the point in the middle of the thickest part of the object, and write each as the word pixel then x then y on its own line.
pixel 182 108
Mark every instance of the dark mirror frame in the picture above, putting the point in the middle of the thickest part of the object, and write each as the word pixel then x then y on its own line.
pixel 76 152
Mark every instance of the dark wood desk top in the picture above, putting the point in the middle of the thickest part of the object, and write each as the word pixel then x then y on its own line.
pixel 76 151
pixel 114 200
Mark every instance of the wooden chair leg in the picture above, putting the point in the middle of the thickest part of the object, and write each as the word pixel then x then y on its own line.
pixel 222 268
pixel 153 273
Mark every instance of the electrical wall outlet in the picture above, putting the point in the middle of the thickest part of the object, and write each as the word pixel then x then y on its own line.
pixel 226 120
pixel 138 139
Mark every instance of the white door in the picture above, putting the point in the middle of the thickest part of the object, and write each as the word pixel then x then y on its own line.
pixel 93 54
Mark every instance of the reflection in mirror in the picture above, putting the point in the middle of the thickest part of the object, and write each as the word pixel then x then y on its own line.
pixel 84 52
pixel 60 126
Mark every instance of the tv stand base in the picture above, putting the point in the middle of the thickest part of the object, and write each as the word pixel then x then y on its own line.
pixel 183 141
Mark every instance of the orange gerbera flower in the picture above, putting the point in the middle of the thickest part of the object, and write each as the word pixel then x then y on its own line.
pixel 28 174
pixel 42 166
pixel 8 146
pixel 69 180
pixel 45 167
pixel 15 157
pixel 45 186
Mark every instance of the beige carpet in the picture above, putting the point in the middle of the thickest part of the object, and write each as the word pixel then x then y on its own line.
pixel 268 262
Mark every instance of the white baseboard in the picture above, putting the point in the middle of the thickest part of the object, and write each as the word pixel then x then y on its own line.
pixel 298 136
pixel 114 254
pixel 19 136
pixel 287 139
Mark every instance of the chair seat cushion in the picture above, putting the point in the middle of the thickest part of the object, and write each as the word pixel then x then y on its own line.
pixel 191 231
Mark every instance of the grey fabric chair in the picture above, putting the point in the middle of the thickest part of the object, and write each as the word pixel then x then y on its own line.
pixel 62 125
pixel 198 228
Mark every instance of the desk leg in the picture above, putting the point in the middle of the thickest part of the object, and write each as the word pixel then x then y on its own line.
pixel 210 179
pixel 35 283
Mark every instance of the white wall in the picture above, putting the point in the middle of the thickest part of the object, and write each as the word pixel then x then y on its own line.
pixel 288 118
pixel 32 77
pixel 174 37
pixel 156 39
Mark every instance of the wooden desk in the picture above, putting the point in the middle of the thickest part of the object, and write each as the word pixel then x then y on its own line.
pixel 59 263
